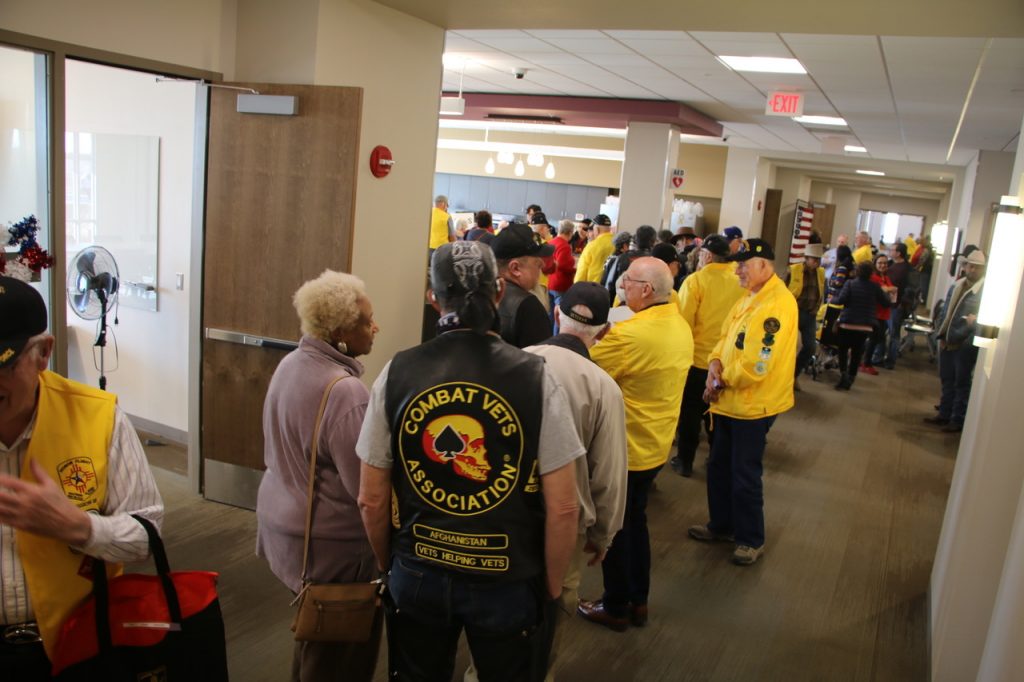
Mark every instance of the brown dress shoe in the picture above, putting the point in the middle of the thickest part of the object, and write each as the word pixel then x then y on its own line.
pixel 595 613
pixel 638 615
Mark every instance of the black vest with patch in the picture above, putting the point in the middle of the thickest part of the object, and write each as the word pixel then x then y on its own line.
pixel 465 415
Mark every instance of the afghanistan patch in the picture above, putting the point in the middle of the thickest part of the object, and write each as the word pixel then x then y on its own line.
pixel 77 478
pixel 461 446
pixel 772 325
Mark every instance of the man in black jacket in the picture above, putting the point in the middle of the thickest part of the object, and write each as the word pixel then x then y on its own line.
pixel 524 321
pixel 643 241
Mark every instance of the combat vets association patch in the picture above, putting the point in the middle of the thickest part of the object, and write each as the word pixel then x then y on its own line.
pixel 461 446
pixel 77 478
pixel 772 325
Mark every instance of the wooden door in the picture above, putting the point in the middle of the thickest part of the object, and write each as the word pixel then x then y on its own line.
pixel 770 221
pixel 280 193
pixel 824 220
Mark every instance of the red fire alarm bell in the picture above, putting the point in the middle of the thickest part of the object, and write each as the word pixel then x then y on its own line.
pixel 381 161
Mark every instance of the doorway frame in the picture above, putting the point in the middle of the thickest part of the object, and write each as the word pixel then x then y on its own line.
pixel 57 53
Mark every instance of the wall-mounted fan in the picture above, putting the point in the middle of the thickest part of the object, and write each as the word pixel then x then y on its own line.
pixel 93 281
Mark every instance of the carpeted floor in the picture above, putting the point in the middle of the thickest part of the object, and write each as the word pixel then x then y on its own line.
pixel 855 490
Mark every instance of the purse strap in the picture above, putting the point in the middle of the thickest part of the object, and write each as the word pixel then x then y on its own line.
pixel 312 474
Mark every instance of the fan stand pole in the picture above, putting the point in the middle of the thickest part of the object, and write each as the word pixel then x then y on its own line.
pixel 101 337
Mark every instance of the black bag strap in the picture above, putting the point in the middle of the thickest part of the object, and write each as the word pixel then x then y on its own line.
pixel 101 591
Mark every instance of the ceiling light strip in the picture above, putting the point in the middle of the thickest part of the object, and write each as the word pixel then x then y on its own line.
pixel 546 150
pixel 967 100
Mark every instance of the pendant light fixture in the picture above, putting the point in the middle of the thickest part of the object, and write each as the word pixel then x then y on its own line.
pixel 489 166
pixel 535 159
pixel 520 169
pixel 549 172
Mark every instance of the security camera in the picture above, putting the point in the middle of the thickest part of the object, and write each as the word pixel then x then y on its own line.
pixel 725 138
pixel 519 73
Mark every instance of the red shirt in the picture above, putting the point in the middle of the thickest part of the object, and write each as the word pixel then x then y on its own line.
pixel 565 266
pixel 882 312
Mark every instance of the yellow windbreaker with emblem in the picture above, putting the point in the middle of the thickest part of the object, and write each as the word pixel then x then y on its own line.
pixel 862 254
pixel 705 298
pixel 70 440
pixel 591 263
pixel 648 355
pixel 757 350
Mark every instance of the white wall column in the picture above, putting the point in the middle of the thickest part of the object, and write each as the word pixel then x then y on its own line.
pixel 741 204
pixel 961 196
pixel 977 603
pixel 652 151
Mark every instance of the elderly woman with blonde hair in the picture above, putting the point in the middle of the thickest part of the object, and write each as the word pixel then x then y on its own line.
pixel 337 326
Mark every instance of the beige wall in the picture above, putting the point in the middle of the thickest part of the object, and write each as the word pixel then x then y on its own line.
pixel 184 32
pixel 847 203
pixel 401 89
pixel 276 41
pixel 705 169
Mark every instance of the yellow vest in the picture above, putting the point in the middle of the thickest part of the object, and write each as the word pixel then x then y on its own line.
pixel 591 263
pixel 796 280
pixel 438 227
pixel 70 440
pixel 705 298
pixel 648 355
pixel 758 354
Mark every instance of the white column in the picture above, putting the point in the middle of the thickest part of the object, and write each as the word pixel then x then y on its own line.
pixel 746 179
pixel 652 151
pixel 961 195
pixel 976 600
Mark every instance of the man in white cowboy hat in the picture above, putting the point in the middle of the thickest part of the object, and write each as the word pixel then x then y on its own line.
pixel 957 352
pixel 807 283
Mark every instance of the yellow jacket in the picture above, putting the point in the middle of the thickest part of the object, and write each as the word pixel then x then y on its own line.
pixel 705 298
pixel 591 263
pixel 911 246
pixel 862 254
pixel 648 355
pixel 438 227
pixel 757 350
pixel 796 280
pixel 70 440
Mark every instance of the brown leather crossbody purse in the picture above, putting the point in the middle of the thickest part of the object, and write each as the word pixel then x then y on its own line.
pixel 331 612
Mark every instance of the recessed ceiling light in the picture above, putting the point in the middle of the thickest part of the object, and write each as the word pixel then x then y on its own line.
pixel 870 172
pixel 821 120
pixel 763 64
pixel 854 148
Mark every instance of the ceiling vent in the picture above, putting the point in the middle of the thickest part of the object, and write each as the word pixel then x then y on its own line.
pixel 525 118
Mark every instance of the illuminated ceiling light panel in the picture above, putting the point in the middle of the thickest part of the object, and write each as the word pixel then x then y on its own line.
pixel 870 172
pixel 855 148
pixel 541 128
pixel 821 120
pixel 763 64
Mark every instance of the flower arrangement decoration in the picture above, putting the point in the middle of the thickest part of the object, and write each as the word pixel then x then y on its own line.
pixel 30 259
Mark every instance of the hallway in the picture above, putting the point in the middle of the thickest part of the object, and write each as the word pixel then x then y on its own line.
pixel 855 489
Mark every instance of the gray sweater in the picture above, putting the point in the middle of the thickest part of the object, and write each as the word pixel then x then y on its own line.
pixel 289 415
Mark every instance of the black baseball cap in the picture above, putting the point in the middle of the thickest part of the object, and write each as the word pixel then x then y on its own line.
pixel 716 244
pixel 753 248
pixel 589 294
pixel 602 220
pixel 516 241
pixel 538 218
pixel 22 316
pixel 665 252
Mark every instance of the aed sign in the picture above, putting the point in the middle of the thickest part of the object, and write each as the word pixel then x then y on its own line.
pixel 677 178
pixel 785 104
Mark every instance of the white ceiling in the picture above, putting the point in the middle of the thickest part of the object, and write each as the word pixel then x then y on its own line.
pixel 901 96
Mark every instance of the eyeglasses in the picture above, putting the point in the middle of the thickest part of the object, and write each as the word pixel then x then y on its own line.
pixel 626 279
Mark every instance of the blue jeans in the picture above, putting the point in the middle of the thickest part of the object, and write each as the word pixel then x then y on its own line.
pixel 735 489
pixel 509 625
pixel 808 326
pixel 956 371
pixel 896 319
pixel 627 566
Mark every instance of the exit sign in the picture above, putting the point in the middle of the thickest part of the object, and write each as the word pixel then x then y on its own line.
pixel 785 104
